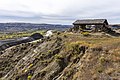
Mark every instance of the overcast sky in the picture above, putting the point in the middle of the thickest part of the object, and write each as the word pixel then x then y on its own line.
pixel 58 11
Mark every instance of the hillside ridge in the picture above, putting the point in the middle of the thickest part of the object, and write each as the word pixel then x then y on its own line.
pixel 64 56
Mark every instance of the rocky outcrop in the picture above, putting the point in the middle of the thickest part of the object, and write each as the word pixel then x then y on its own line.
pixel 8 44
pixel 58 59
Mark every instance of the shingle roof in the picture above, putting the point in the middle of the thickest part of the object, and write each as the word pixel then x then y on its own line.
pixel 91 21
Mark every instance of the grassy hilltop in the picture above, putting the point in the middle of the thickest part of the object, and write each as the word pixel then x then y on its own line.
pixel 64 56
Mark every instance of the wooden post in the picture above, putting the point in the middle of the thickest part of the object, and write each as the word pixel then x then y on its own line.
pixel 76 27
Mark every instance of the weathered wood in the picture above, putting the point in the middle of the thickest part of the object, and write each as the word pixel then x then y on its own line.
pixel 100 24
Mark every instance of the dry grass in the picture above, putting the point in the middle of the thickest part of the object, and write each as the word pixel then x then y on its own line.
pixel 94 65
pixel 61 56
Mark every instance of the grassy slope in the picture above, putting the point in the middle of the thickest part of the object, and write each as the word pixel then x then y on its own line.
pixel 62 57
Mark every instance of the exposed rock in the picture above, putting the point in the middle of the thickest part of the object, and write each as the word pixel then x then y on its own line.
pixel 71 58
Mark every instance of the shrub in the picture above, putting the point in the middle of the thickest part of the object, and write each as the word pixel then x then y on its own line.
pixel 30 65
pixel 29 77
pixel 65 36
pixel 49 51
pixel 109 71
pixel 100 69
pixel 85 33
pixel 102 60
pixel 58 33
pixel 58 56
pixel 76 45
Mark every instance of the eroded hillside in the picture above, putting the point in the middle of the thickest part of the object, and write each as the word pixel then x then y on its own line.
pixel 64 56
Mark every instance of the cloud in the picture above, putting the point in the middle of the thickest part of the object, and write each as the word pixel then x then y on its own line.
pixel 58 11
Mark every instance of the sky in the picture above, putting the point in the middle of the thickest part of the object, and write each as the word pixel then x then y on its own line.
pixel 58 11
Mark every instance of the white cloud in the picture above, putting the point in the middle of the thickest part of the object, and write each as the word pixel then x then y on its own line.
pixel 58 11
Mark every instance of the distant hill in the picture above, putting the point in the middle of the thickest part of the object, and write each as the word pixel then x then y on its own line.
pixel 115 26
pixel 13 27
